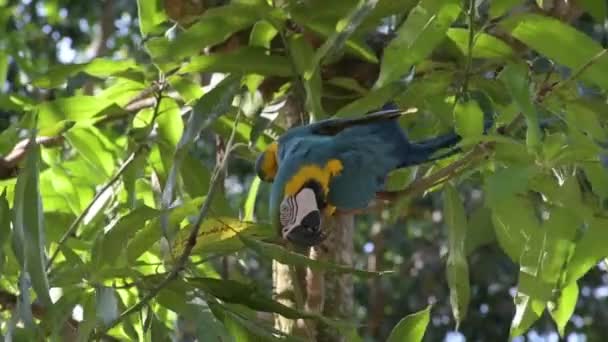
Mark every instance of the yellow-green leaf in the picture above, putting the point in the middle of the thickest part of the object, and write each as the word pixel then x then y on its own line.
pixel 412 327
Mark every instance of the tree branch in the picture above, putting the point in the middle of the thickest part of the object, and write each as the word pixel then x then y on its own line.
pixel 9 164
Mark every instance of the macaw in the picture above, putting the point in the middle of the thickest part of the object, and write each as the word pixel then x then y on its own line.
pixel 337 164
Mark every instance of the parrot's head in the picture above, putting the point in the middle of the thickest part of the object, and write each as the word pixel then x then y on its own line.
pixel 298 200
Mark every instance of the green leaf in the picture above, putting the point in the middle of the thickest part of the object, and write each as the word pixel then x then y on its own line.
pixel 468 119
pixel 3 67
pixel 343 30
pixel 58 129
pixel 372 100
pixel 28 224
pixel 196 176
pixel 499 7
pixel 251 199
pixel 512 230
pixel 527 311
pixel 213 104
pixel 219 235
pixel 77 108
pixel 200 322
pixel 235 292
pixel 119 233
pixel 285 256
pixel 564 307
pixel 213 27
pixel 303 58
pixel 561 42
pixel 5 226
pixel 485 45
pixel 326 19
pixel 515 78
pixel 506 182
pixel 94 147
pixel 412 327
pixel 151 233
pixel 98 67
pixel 532 291
pixel 150 13
pixel 262 34
pixel 480 230
pixel 457 265
pixel 424 29
pixel 598 177
pixel 63 186
pixel 589 250
pixel 245 60
pixel 187 88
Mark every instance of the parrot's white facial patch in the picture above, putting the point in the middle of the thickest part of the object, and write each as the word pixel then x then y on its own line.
pixel 294 209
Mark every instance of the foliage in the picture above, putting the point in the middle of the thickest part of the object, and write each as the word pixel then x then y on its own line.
pixel 129 135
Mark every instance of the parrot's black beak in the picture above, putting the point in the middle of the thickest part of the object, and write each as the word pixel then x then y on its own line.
pixel 308 233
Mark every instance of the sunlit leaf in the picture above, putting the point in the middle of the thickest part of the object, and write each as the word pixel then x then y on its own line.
pixel 500 7
pixel 251 199
pixel 28 222
pixel 561 42
pixel 118 234
pixel 98 67
pixel 515 78
pixel 457 265
pixel 3 67
pixel 411 327
pixel 77 108
pixel 92 145
pixel 5 227
pixel 186 87
pixel 150 15
pixel 424 29
pixel 214 26
pixel 485 45
pixel 527 311
pixel 589 250
pixel 468 119
pixel 564 307
pixel 217 235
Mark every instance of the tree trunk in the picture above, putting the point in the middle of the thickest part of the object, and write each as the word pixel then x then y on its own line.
pixel 334 293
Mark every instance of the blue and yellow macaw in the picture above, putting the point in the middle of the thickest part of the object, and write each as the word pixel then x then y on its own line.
pixel 337 164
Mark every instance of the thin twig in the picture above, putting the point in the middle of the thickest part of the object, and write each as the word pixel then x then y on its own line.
pixel 578 72
pixel 191 242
